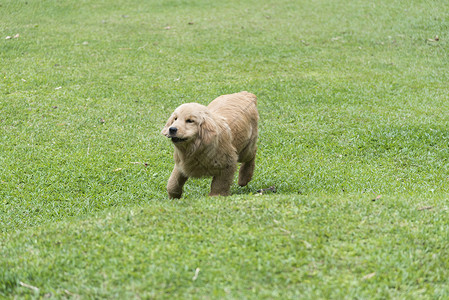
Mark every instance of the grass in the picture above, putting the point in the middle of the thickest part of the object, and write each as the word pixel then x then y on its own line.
pixel 288 247
pixel 353 106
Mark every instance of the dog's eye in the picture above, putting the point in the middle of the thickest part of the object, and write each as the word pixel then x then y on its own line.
pixel 176 119
pixel 189 121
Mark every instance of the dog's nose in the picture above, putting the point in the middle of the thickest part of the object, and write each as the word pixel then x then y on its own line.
pixel 173 130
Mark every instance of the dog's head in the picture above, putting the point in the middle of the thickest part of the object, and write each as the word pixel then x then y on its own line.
pixel 190 122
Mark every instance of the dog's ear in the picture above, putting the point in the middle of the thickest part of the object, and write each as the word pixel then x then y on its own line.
pixel 167 125
pixel 208 129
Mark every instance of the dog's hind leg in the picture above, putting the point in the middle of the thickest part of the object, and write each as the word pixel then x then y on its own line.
pixel 176 183
pixel 246 172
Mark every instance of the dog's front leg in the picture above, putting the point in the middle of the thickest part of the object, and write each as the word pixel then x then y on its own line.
pixel 246 172
pixel 221 184
pixel 176 183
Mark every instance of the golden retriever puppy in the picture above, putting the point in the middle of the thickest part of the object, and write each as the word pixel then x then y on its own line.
pixel 209 141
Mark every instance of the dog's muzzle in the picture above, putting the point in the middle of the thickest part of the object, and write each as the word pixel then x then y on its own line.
pixel 175 139
pixel 172 130
pixel 172 135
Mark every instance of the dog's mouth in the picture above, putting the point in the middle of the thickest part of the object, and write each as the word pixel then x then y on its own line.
pixel 177 139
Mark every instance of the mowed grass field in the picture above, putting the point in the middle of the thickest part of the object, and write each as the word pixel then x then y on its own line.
pixel 354 133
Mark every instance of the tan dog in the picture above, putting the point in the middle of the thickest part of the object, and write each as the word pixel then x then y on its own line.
pixel 209 141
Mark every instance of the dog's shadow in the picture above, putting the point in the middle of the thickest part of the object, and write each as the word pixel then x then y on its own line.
pixel 242 190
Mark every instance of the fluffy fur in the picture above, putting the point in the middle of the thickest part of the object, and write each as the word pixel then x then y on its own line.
pixel 209 141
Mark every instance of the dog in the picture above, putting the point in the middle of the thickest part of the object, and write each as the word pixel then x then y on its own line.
pixel 210 141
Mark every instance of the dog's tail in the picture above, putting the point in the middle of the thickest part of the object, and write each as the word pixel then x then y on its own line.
pixel 250 95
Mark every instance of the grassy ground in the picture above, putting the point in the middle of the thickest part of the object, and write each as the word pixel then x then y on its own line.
pixel 354 134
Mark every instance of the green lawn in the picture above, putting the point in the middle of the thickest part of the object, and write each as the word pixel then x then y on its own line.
pixel 354 133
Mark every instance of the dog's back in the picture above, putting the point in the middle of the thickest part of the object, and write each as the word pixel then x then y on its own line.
pixel 240 112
